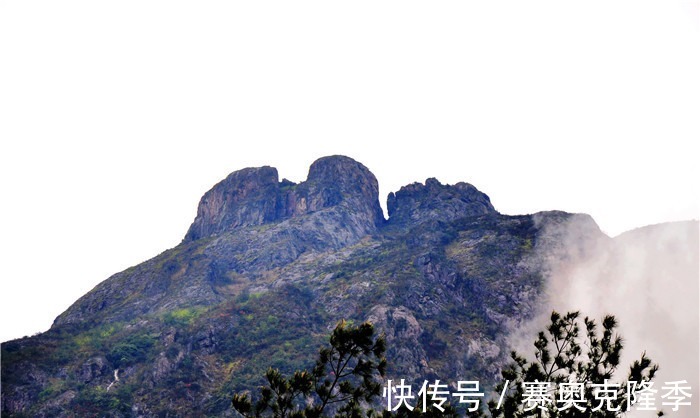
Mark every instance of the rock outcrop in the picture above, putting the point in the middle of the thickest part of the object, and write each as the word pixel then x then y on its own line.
pixel 246 197
pixel 418 203
pixel 255 196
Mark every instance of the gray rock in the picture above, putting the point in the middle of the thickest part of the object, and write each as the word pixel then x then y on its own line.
pixel 418 203
pixel 92 369
pixel 255 196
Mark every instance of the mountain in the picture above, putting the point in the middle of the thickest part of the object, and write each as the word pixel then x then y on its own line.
pixel 266 270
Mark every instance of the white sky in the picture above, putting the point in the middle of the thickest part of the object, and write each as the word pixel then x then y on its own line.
pixel 115 117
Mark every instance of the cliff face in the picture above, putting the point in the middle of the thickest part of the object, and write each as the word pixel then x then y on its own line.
pixel 264 273
pixel 245 198
pixel 255 196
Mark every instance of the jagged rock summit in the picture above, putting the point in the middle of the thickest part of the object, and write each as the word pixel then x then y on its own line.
pixel 255 196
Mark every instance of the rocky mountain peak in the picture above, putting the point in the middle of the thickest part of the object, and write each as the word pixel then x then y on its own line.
pixel 255 196
pixel 245 197
pixel 417 203
pixel 341 172
pixel 337 178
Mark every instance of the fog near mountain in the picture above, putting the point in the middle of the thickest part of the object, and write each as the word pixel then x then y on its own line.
pixel 647 278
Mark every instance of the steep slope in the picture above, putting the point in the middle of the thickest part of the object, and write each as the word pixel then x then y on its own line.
pixel 264 273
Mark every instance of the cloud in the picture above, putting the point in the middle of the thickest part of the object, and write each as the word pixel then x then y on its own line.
pixel 647 278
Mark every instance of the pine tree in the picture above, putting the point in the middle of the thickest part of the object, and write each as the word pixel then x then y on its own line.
pixel 570 365
pixel 343 380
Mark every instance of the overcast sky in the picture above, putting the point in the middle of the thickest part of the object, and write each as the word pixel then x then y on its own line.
pixel 115 117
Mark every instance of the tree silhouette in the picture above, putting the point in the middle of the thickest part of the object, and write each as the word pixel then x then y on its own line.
pixel 572 370
pixel 343 380
pixel 569 378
